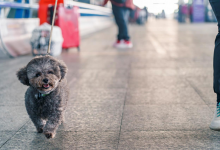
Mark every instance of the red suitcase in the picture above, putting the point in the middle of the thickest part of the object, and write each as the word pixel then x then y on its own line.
pixel 68 20
pixel 43 9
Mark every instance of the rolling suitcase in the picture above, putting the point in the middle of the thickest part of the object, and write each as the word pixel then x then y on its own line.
pixel 68 20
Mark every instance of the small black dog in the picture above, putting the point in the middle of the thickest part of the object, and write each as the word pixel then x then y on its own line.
pixel 46 98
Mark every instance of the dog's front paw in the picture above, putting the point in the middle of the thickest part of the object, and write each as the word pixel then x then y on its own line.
pixel 49 135
pixel 40 130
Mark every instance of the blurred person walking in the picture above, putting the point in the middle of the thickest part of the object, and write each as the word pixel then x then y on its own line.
pixel 191 13
pixel 215 124
pixel 121 10
pixel 180 15
pixel 163 15
pixel 184 12
pixel 147 14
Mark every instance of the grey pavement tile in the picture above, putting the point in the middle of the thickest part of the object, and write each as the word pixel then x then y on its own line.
pixel 88 118
pixel 30 128
pixel 204 87
pixel 202 64
pixel 97 140
pixel 194 72
pixel 36 141
pixel 146 48
pixel 207 94
pixel 158 63
pixel 82 75
pixel 13 94
pixel 8 72
pixel 104 73
pixel 5 136
pixel 106 62
pixel 166 117
pixel 169 95
pixel 201 82
pixel 7 63
pixel 185 72
pixel 93 118
pixel 12 118
pixel 158 82
pixel 89 97
pixel 102 79
pixel 164 140
pixel 102 83
pixel 63 140
pixel 140 73
pixel 9 80
pixel 212 108
pixel 165 93
pixel 144 55
pixel 191 56
pixel 86 107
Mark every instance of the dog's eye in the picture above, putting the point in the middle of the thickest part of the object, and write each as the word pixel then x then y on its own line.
pixel 38 74
pixel 50 72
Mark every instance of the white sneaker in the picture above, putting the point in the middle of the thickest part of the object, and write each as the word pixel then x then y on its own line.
pixel 118 42
pixel 128 44
pixel 215 124
pixel 123 44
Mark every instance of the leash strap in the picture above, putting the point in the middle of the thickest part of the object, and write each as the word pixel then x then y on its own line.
pixel 54 12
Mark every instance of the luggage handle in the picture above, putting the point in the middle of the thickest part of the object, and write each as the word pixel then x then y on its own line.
pixel 54 12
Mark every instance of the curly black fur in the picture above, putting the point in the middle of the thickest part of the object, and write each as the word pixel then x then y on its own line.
pixel 47 111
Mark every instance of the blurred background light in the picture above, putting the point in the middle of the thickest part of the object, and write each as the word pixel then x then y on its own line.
pixel 156 6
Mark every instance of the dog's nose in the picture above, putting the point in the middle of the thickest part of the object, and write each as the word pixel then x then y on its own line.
pixel 45 80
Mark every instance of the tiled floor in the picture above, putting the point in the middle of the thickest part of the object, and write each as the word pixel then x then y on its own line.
pixel 157 95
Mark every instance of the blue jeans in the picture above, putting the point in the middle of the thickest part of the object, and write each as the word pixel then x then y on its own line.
pixel 216 62
pixel 121 18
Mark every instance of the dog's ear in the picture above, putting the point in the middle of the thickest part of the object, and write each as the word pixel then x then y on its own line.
pixel 22 76
pixel 63 69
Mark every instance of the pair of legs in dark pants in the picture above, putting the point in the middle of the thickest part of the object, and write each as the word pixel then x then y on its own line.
pixel 216 62
pixel 121 15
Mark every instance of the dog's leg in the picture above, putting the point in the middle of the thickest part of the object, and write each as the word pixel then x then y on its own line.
pixel 31 110
pixel 51 126
pixel 63 118
pixel 38 122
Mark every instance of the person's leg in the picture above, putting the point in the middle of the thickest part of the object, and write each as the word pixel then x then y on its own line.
pixel 183 18
pixel 191 18
pixel 126 12
pixel 215 124
pixel 180 14
pixel 118 14
pixel 121 17
pixel 216 62
pixel 216 65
